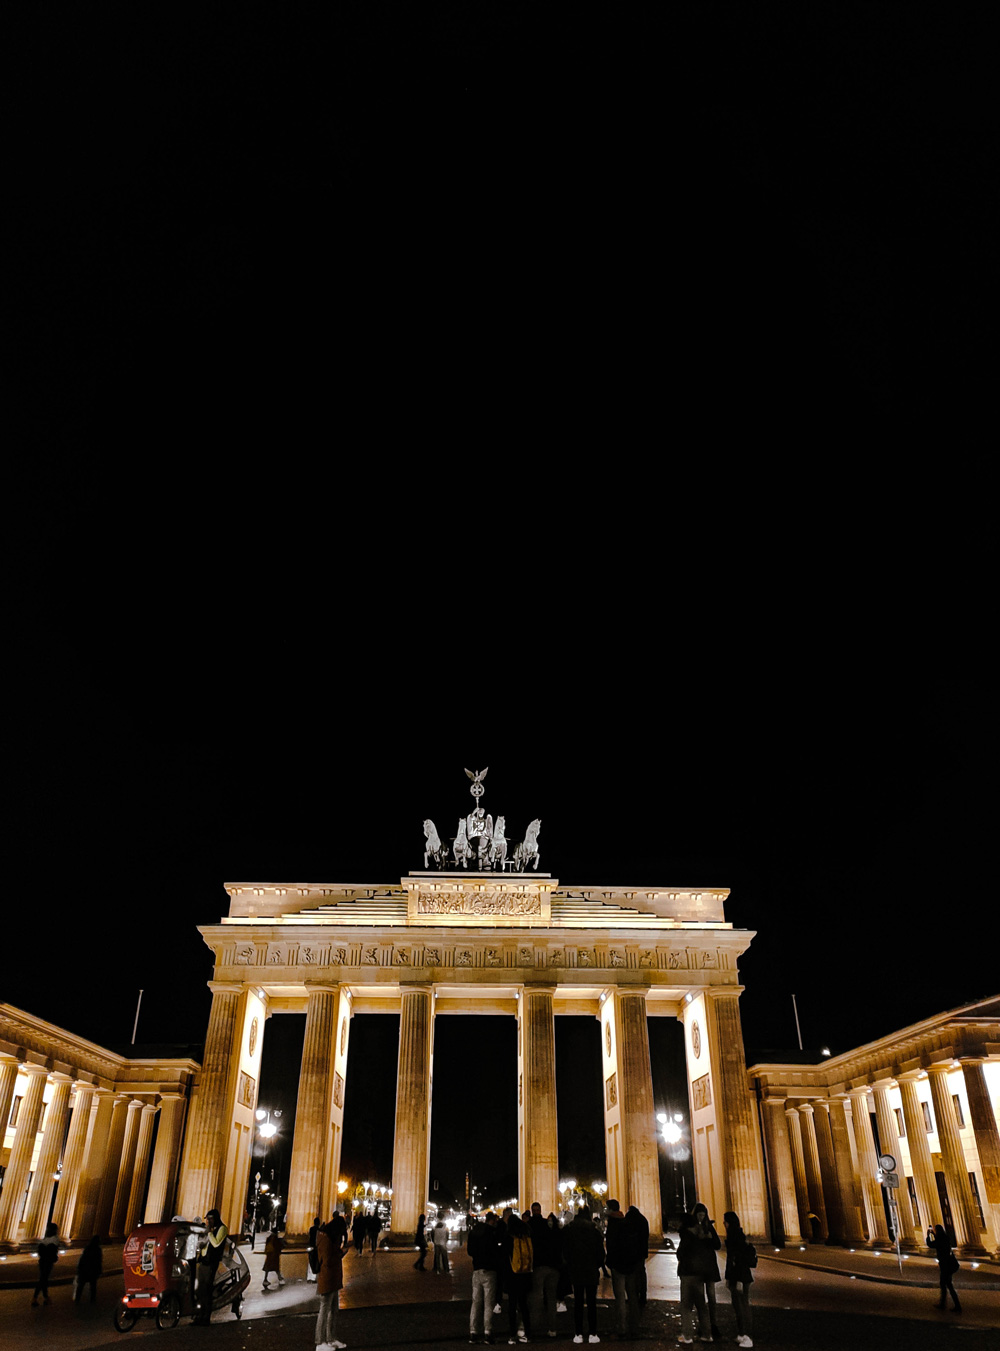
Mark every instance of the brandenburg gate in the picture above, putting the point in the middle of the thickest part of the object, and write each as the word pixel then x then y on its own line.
pixel 498 937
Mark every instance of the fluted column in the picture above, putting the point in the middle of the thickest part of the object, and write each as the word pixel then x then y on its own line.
pixel 83 1223
pixel 76 1142
pixel 312 1110
pixel 871 1188
pixel 740 1137
pixel 126 1166
pixel 909 1233
pixel 37 1213
pixel 784 1205
pixel 814 1173
pixel 539 1139
pixel 140 1168
pixel 166 1157
pixel 799 1171
pixel 963 1206
pixel 201 1185
pixel 8 1078
pixel 836 1222
pixel 984 1125
pixel 22 1149
pixel 920 1154
pixel 411 1154
pixel 847 1178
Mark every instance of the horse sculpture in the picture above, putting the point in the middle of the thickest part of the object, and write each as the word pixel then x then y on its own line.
pixel 527 851
pixel 462 848
pixel 498 845
pixel 433 849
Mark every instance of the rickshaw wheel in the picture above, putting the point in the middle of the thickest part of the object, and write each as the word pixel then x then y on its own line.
pixel 125 1318
pixel 168 1315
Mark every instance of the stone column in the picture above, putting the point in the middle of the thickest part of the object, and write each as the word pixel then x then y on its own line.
pixel 22 1149
pixel 784 1205
pixel 799 1169
pixel 201 1185
pixel 539 1140
pixel 126 1167
pixel 8 1078
pixel 984 1126
pixel 963 1206
pixel 36 1217
pixel 140 1169
pixel 312 1110
pixel 411 1154
pixel 76 1143
pixel 909 1233
pixel 871 1188
pixel 920 1155
pixel 112 1165
pixel 640 1147
pixel 814 1173
pixel 166 1157
pixel 847 1178
pixel 836 1223
pixel 737 1120
pixel 83 1223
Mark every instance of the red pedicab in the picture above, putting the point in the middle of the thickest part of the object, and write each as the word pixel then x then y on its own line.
pixel 159 1263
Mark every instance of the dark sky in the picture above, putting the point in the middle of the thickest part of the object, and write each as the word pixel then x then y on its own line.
pixel 598 401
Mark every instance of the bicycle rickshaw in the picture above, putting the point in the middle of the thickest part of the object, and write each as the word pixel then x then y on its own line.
pixel 159 1263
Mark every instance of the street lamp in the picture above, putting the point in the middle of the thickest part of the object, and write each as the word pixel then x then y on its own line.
pixel 672 1132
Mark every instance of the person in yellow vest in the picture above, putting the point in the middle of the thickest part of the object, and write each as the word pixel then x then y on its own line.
pixel 209 1257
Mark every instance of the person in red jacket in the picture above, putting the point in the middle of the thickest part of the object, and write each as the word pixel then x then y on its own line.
pixel 331 1245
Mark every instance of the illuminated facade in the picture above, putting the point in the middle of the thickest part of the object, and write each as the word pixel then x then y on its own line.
pixel 91 1138
pixel 928 1095
pixel 501 943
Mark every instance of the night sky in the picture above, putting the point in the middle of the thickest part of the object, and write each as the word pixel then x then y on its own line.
pixel 462 386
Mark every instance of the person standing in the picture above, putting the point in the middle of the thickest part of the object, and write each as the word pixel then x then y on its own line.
pixel 421 1241
pixel 546 1247
pixel 638 1227
pixel 331 1247
pixel 88 1269
pixel 312 1257
pixel 484 1248
pixel 48 1255
pixel 518 1252
pixel 947 1266
pixel 584 1250
pixel 374 1229
pixel 741 1255
pixel 358 1231
pixel 623 1258
pixel 696 1266
pixel 272 1258
pixel 440 1236
pixel 209 1256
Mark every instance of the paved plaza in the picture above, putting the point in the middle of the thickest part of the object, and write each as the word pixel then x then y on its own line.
pixel 822 1299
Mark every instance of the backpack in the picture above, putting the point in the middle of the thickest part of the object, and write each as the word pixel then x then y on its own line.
pixel 520 1257
pixel 751 1255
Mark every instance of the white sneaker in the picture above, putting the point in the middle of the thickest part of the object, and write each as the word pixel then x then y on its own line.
pixel 593 1338
pixel 339 1346
pixel 578 1338
pixel 744 1341
pixel 561 1306
pixel 685 1341
pixel 498 1308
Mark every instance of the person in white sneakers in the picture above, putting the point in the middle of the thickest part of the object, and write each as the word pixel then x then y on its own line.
pixel 312 1261
pixel 741 1256
pixel 331 1245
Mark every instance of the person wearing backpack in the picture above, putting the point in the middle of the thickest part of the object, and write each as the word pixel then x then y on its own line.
pixel 624 1257
pixel 519 1255
pixel 741 1257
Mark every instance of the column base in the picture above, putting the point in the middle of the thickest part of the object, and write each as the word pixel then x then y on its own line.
pixel 397 1241
pixel 972 1250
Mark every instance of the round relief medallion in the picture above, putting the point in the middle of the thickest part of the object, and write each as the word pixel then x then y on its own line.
pixel 343 1034
pixel 607 1036
pixel 253 1037
pixel 696 1040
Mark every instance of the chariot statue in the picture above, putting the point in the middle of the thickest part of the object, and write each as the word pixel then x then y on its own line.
pixel 462 849
pixel 433 848
pixel 527 851
pixel 498 845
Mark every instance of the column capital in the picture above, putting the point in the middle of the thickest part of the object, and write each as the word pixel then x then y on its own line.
pixel 722 991
pixel 417 987
pixel 806 1107
pixel 321 986
pixel 536 989
pixel 940 1067
pixel 150 1107
pixel 172 1097
pixel 909 1076
pixel 790 1110
pixel 31 1069
pixel 226 986
pixel 973 1059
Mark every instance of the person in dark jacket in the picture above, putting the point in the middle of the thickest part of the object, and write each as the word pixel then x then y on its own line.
pixel 421 1242
pixel 639 1229
pixel 739 1276
pixel 623 1258
pixel 48 1256
pixel 483 1246
pixel 358 1230
pixel 89 1268
pixel 517 1250
pixel 947 1266
pixel 312 1258
pixel 546 1247
pixel 584 1249
pixel 697 1266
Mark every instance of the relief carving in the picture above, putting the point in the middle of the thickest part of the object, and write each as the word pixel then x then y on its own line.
pixel 463 956
pixel 616 957
pixel 525 956
pixel 677 961
pixel 612 1090
pixel 493 957
pixel 275 956
pixel 701 1092
pixel 247 1090
pixel 556 957
pixel 369 956
pixel 339 956
pixel 647 957
pixel 400 957
pixel 432 956
pixel 307 956
pixel 494 902
pixel 338 1090
pixel 246 956
pixel 585 957
pixel 708 958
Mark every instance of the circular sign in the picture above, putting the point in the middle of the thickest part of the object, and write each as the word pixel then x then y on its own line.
pixel 696 1040
pixel 607 1036
pixel 253 1037
pixel 887 1162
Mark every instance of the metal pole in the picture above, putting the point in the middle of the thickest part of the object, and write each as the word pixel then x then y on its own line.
pixel 136 1023
pixel 797 1028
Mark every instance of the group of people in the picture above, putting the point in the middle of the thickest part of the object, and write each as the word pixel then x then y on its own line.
pixel 536 1262
pixel 88 1268
pixel 366 1227
pixel 698 1269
